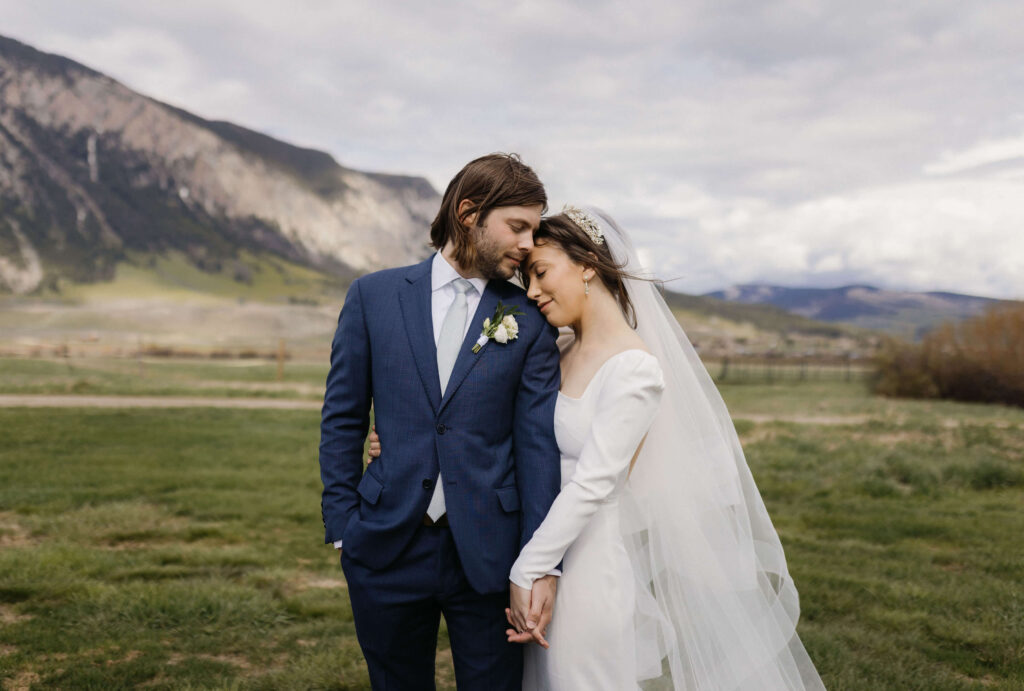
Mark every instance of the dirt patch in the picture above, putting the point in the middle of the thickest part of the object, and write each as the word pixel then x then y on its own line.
pixel 21 682
pixel 984 681
pixel 48 401
pixel 233 660
pixel 758 434
pixel 445 671
pixel 12 533
pixel 9 616
pixel 7 650
pixel 321 583
pixel 129 656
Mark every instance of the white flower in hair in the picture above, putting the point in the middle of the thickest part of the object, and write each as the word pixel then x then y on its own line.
pixel 586 223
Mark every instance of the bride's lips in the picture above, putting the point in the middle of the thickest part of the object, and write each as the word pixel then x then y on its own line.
pixel 543 305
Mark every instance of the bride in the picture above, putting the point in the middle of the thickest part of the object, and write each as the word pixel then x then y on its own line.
pixel 673 576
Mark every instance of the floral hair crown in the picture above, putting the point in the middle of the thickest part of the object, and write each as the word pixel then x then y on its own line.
pixel 586 223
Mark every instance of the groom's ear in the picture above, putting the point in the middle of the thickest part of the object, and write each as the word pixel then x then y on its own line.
pixel 468 219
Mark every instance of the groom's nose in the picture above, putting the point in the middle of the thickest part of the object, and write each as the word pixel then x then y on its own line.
pixel 525 243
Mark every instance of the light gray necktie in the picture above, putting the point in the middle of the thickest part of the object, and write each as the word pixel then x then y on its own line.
pixel 453 332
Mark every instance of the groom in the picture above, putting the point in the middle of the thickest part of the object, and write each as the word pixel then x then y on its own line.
pixel 470 464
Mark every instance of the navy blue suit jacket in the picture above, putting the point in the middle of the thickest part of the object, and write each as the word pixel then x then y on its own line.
pixel 491 435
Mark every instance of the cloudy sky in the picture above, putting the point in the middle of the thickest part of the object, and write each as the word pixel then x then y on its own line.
pixel 799 143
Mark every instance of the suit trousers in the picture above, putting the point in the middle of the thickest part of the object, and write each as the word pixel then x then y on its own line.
pixel 397 614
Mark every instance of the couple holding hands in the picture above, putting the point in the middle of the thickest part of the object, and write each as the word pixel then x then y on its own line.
pixel 579 508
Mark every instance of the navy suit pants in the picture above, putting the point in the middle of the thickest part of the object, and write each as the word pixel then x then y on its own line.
pixel 397 613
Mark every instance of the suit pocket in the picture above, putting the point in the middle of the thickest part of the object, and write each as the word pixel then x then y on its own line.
pixel 509 498
pixel 369 489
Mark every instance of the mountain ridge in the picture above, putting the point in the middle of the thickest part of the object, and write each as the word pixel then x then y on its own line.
pixel 906 313
pixel 93 174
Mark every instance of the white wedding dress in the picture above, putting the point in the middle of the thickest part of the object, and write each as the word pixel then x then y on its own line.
pixel 673 576
pixel 592 636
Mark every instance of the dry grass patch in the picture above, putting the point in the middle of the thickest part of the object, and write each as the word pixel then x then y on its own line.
pixel 8 616
pixel 23 681
pixel 312 583
pixel 444 675
pixel 12 532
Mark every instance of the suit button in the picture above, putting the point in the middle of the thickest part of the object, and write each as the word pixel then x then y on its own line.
pixel 428 483
pixel 441 429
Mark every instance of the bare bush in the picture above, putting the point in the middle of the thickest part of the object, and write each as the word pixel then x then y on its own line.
pixel 981 359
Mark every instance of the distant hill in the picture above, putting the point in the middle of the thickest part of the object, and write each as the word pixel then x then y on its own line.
pixel 904 313
pixel 94 176
pixel 765 317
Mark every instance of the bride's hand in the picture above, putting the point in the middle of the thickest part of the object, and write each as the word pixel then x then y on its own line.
pixel 519 608
pixel 542 603
pixel 374 451
pixel 530 611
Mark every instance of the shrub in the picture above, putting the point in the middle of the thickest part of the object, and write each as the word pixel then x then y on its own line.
pixel 981 359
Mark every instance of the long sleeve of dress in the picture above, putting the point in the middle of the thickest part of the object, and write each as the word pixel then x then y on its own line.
pixel 628 400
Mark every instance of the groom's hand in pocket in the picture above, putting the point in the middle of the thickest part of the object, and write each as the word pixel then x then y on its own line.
pixel 373 451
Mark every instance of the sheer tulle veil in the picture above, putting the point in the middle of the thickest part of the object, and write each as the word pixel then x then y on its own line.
pixel 716 607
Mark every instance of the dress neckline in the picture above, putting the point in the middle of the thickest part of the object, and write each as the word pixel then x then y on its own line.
pixel 598 372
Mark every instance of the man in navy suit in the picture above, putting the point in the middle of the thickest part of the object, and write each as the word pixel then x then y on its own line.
pixel 470 464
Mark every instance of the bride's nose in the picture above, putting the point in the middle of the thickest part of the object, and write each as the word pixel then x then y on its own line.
pixel 533 292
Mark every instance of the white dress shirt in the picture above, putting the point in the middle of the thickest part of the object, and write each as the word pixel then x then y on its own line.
pixel 442 294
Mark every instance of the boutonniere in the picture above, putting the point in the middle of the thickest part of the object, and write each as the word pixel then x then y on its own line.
pixel 502 327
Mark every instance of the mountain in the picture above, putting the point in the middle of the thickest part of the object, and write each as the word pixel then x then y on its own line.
pixel 94 176
pixel 766 317
pixel 899 312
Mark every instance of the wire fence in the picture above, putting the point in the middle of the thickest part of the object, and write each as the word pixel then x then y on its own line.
pixel 761 370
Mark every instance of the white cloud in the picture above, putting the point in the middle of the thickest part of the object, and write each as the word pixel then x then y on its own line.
pixel 962 235
pixel 1010 149
pixel 788 142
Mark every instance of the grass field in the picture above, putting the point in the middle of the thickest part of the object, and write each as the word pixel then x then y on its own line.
pixel 162 377
pixel 182 548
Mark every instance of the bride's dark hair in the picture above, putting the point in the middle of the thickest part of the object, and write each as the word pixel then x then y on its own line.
pixel 561 230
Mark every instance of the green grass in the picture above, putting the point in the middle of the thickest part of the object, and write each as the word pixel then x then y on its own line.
pixel 156 377
pixel 173 276
pixel 182 548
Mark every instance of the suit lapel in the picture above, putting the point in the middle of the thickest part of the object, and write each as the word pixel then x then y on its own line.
pixel 419 327
pixel 467 358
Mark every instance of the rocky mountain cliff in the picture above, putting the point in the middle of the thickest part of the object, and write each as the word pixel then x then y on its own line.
pixel 93 174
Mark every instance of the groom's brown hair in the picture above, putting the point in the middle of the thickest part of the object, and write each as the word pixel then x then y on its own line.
pixel 487 182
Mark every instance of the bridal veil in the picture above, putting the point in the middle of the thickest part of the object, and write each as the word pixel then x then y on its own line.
pixel 716 607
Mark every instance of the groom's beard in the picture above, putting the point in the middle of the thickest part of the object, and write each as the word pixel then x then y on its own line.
pixel 489 256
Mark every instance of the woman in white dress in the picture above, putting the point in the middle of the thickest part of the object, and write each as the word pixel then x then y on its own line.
pixel 673 576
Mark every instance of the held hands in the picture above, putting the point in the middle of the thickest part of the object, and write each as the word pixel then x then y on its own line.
pixel 530 611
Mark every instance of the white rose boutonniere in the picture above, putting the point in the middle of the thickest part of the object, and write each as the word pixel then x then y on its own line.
pixel 511 326
pixel 502 327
